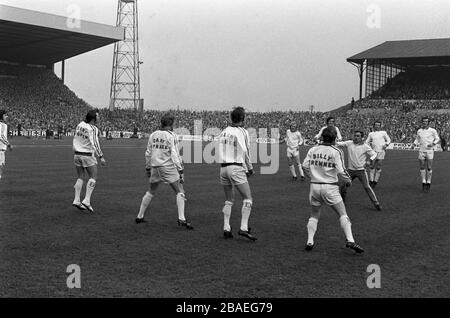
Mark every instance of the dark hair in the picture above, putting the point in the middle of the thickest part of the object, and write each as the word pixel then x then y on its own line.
pixel 91 116
pixel 377 121
pixel 423 118
pixel 330 118
pixel 329 135
pixel 167 120
pixel 359 131
pixel 237 115
pixel 2 113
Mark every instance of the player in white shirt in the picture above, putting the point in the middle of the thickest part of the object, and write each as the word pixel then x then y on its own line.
pixel 164 164
pixel 330 124
pixel 293 142
pixel 236 166
pixel 378 140
pixel 427 138
pixel 4 144
pixel 360 156
pixel 324 164
pixel 86 146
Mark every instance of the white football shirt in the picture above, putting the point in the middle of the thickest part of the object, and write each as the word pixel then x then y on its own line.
pixel 358 154
pixel 324 164
pixel 3 136
pixel 293 139
pixel 86 139
pixel 234 146
pixel 162 150
pixel 426 137
pixel 378 140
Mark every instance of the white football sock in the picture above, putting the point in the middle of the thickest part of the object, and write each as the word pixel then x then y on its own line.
pixel 300 170
pixel 89 189
pixel 146 200
pixel 246 210
pixel 78 186
pixel 423 174
pixel 292 168
pixel 226 215
pixel 429 174
pixel 180 206
pixel 312 228
pixel 377 174
pixel 346 227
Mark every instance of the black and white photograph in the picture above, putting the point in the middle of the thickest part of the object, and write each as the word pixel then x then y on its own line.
pixel 230 155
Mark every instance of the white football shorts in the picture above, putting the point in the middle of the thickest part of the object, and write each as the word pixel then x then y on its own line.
pixel 427 154
pixel 167 174
pixel 327 194
pixel 381 154
pixel 232 175
pixel 84 161
pixel 293 152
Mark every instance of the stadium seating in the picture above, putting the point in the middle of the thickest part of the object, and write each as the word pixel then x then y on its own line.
pixel 37 99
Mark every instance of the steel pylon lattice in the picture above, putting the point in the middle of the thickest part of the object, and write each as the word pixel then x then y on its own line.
pixel 125 79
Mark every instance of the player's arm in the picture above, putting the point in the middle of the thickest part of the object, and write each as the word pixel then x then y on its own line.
pixel 306 164
pixel 340 169
pixel 175 156
pixel 177 152
pixel 416 141
pixel 387 140
pixel 372 155
pixel 94 140
pixel 436 139
pixel 343 143
pixel 4 136
pixel 319 135
pixel 148 157
pixel 339 136
pixel 248 160
pixel 300 139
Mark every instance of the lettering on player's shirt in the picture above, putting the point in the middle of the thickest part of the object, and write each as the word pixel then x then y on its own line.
pixel 322 160
pixel 160 143
pixel 228 139
pixel 82 132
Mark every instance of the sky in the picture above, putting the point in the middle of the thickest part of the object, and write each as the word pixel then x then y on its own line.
pixel 261 54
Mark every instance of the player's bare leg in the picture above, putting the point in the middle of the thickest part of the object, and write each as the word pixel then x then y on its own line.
pixel 179 191
pixel 423 173
pixel 78 187
pixel 346 226
pixel 2 168
pixel 300 169
pixel 90 186
pixel 429 174
pixel 312 226
pixel 146 200
pixel 292 168
pixel 244 190
pixel 229 200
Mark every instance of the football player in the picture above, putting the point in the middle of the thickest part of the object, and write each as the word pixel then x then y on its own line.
pixel 4 144
pixel 164 164
pixel 360 156
pixel 86 146
pixel 427 138
pixel 293 141
pixel 324 164
pixel 236 167
pixel 378 140
pixel 331 125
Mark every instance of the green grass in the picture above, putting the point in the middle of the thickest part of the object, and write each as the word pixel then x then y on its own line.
pixel 41 234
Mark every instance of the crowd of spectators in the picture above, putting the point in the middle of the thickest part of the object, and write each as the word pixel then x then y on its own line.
pixel 36 99
pixel 417 83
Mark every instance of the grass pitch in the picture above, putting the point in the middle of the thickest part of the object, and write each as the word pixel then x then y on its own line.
pixel 41 233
